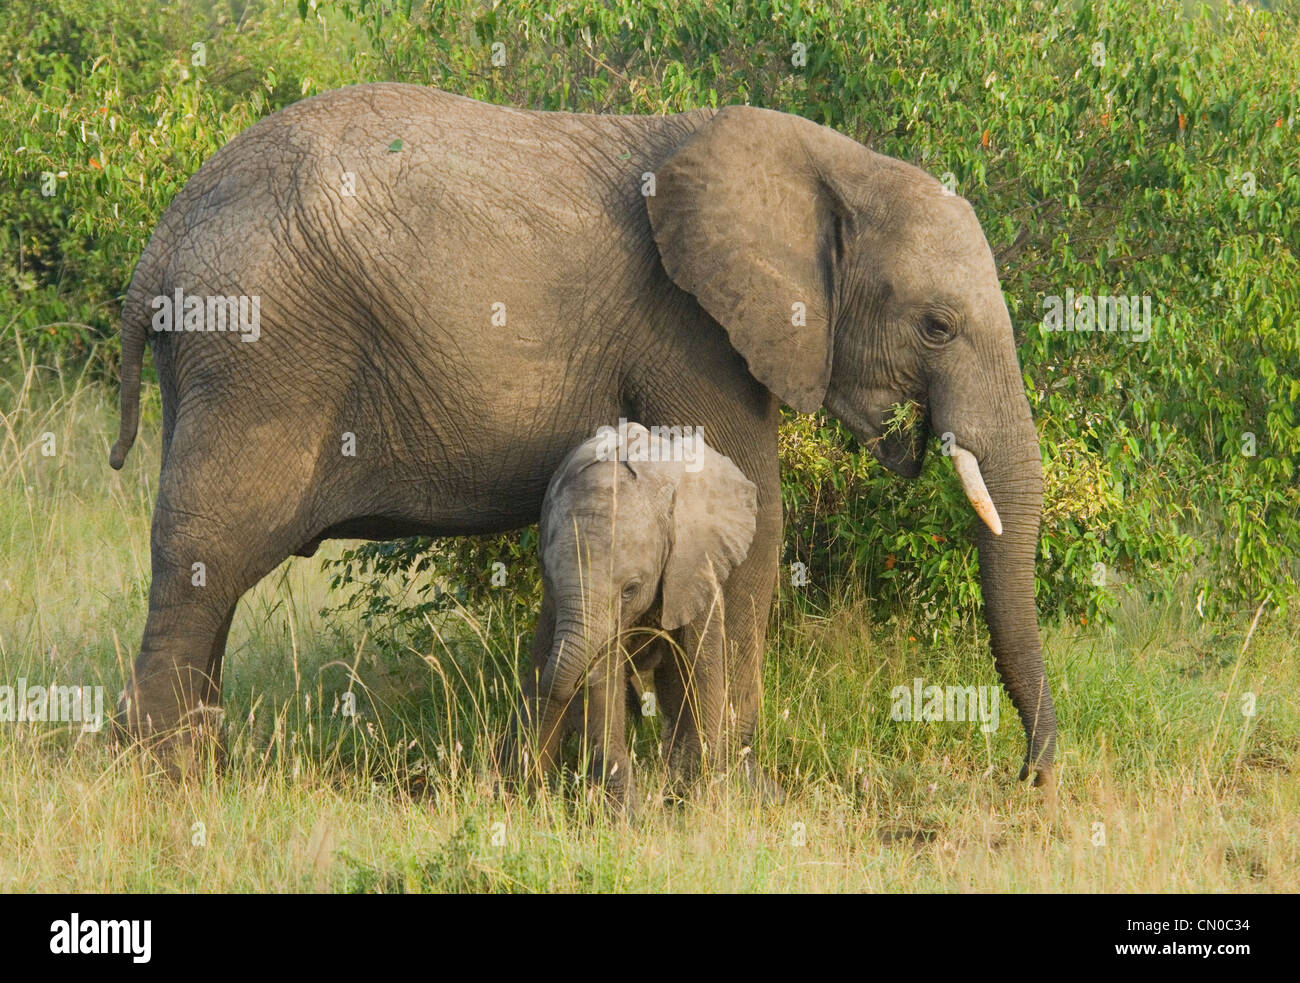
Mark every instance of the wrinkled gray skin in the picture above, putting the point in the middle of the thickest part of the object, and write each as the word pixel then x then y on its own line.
pixel 638 535
pixel 777 260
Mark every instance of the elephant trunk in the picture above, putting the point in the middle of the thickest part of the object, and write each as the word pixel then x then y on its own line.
pixel 572 650
pixel 1013 474
pixel 567 667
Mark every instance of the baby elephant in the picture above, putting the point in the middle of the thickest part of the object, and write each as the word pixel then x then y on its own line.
pixel 638 530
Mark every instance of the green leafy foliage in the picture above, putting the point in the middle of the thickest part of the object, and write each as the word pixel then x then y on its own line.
pixel 110 107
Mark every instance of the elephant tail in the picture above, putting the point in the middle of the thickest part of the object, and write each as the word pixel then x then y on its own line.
pixel 135 326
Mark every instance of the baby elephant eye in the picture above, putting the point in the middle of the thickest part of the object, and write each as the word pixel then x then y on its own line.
pixel 629 590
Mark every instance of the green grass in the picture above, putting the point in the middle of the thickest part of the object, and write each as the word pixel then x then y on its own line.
pixel 1154 750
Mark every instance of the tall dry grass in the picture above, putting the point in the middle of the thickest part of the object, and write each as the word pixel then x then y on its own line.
pixel 1165 784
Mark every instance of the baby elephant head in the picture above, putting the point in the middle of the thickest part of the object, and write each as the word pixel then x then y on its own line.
pixel 631 518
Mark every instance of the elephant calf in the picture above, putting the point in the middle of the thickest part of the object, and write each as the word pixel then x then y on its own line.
pixel 639 529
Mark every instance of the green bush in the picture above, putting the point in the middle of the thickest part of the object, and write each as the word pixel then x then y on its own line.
pixel 106 116
pixel 1108 148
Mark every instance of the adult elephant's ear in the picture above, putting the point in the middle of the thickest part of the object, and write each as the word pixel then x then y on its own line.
pixel 747 220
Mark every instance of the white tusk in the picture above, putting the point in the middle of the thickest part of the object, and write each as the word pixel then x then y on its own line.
pixel 972 482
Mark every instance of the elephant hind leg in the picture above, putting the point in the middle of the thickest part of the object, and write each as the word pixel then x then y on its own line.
pixel 173 696
pixel 217 530
pixel 180 744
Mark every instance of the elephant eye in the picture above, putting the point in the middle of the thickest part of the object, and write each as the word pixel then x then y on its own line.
pixel 629 590
pixel 936 330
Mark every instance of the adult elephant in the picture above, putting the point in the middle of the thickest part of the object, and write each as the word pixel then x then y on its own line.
pixel 453 295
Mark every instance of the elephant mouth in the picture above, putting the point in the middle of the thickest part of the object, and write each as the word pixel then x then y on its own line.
pixel 901 450
pixel 903 454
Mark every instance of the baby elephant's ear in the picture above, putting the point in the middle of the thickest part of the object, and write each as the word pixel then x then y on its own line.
pixel 713 526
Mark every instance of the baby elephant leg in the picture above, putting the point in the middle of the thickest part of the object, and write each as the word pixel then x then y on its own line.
pixel 642 698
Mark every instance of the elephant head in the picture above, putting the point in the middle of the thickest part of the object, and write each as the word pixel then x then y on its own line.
pixel 857 282
pixel 630 519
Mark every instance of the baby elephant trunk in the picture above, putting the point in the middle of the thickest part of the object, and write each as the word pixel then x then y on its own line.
pixel 570 661
pixel 579 646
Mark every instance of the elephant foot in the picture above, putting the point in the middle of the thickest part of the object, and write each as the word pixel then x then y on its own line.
pixel 1043 779
pixel 1042 774
pixel 192 748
